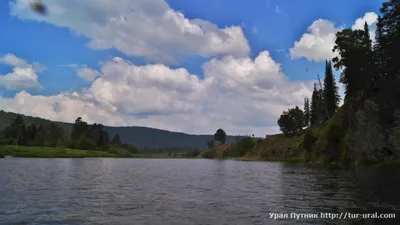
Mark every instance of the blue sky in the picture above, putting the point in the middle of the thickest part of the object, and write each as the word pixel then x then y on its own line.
pixel 62 38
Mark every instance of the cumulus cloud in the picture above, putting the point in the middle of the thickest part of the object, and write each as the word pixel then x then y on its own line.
pixel 239 94
pixel 148 28
pixel 317 44
pixel 23 75
pixel 13 60
pixel 87 73
pixel 371 19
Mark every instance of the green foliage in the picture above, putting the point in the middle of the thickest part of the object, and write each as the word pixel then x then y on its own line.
pixel 79 128
pixel 238 149
pixel 86 144
pixel 317 106
pixel 7 141
pixel 140 136
pixel 354 48
pixel 220 136
pixel 211 144
pixel 309 140
pixel 292 121
pixel 307 112
pixel 48 152
pixel 131 148
pixel 330 91
pixel 116 140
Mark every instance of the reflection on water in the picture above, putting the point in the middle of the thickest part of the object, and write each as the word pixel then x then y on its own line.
pixel 187 191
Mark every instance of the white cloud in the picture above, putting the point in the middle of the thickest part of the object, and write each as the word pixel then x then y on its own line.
pixel 148 28
pixel 23 75
pixel 12 60
pixel 237 94
pixel 317 44
pixel 371 18
pixel 20 79
pixel 87 73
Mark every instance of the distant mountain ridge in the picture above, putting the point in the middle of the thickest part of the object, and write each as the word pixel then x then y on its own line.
pixel 140 136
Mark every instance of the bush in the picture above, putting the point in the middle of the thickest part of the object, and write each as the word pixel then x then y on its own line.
pixel 71 144
pixel 119 151
pixel 86 144
pixel 8 141
pixel 309 140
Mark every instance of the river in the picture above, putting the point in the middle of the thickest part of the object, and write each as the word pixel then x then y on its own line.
pixel 188 191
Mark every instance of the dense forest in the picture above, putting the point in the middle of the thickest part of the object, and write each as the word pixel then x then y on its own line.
pixel 82 136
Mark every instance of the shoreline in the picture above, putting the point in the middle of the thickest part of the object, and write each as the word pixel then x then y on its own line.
pixel 51 152
pixel 17 151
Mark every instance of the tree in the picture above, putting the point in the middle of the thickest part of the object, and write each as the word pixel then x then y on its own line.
pixel 307 112
pixel 380 55
pixel 331 91
pixel 389 40
pixel 315 102
pixel 78 129
pixel 17 131
pixel 31 134
pixel 291 121
pixel 116 140
pixel 86 144
pixel 211 144
pixel 355 52
pixel 220 136
pixel 55 135
pixel 39 137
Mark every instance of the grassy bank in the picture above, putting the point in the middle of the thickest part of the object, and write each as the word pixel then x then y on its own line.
pixel 163 155
pixel 47 152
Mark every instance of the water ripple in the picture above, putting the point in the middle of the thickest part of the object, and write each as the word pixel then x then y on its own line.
pixel 185 191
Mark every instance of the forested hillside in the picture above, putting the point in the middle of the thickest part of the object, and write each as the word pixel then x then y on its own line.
pixel 139 136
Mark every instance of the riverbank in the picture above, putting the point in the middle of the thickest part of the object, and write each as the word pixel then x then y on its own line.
pixel 49 152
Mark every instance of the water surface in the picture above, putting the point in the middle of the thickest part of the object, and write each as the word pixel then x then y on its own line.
pixel 187 191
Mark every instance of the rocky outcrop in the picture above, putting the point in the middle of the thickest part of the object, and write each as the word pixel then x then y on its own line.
pixel 364 130
pixel 358 133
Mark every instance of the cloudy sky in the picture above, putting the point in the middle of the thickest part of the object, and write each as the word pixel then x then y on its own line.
pixel 189 66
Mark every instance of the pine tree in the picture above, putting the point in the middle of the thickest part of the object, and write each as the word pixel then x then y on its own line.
pixel 380 57
pixel 390 24
pixel 352 48
pixel 116 140
pixel 368 69
pixel 306 112
pixel 314 106
pixel 79 128
pixel 331 91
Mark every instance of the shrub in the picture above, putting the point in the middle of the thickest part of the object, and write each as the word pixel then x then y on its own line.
pixel 86 144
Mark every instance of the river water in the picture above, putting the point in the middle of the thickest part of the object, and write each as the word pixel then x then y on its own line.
pixel 188 191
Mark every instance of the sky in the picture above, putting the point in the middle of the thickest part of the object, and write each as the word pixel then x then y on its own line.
pixel 187 66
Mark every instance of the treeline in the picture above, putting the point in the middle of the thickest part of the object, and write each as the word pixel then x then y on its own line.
pixel 83 136
pixel 369 70
pixel 324 104
pixel 241 147
pixel 172 151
